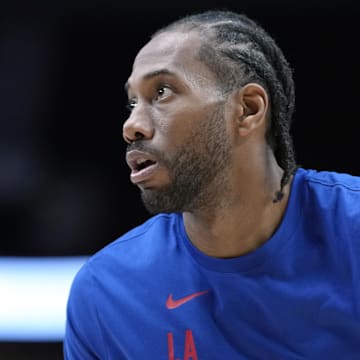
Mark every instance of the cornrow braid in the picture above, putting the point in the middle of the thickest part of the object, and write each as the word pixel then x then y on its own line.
pixel 240 51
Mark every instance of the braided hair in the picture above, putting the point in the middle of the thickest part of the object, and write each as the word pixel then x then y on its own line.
pixel 240 51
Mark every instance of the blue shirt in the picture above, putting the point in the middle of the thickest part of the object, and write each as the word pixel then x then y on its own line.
pixel 152 295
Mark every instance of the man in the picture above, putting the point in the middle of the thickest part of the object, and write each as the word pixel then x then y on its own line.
pixel 249 256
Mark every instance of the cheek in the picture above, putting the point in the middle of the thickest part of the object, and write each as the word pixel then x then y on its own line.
pixel 173 130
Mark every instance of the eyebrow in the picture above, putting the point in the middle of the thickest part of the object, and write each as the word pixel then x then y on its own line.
pixel 151 75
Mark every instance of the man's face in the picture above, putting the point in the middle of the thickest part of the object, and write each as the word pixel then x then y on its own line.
pixel 179 150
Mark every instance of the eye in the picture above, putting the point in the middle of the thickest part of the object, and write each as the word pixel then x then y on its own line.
pixel 131 104
pixel 163 92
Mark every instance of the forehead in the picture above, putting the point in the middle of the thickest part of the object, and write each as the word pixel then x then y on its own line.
pixel 176 52
pixel 168 45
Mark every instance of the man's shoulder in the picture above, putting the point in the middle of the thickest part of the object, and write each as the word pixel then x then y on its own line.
pixel 327 181
pixel 134 256
pixel 146 240
pixel 154 227
pixel 330 193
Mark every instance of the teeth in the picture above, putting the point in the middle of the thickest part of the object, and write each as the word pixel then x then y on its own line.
pixel 140 161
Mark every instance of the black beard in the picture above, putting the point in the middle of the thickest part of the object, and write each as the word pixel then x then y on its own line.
pixel 196 170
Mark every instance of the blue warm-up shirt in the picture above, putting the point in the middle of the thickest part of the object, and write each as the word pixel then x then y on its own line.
pixel 152 295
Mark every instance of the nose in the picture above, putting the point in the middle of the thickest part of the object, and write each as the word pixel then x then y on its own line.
pixel 138 126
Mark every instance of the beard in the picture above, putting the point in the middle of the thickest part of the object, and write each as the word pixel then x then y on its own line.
pixel 197 170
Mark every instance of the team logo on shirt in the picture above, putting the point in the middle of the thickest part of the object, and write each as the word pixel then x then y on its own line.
pixel 175 303
pixel 189 350
pixel 189 347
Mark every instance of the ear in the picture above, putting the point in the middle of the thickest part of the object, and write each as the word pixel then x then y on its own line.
pixel 252 105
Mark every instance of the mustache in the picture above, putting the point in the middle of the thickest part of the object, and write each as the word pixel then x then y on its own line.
pixel 144 147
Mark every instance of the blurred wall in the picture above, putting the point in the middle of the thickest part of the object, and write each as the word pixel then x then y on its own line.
pixel 64 186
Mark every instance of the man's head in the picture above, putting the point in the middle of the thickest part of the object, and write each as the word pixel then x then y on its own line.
pixel 180 83
pixel 178 146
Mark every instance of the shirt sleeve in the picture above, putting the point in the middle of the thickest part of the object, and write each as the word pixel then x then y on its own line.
pixel 83 338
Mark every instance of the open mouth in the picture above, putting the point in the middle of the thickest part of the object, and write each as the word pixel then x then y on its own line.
pixel 141 164
pixel 138 160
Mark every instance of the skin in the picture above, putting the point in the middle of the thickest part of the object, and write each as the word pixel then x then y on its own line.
pixel 232 212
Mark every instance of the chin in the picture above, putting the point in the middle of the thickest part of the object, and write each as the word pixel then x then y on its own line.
pixel 156 202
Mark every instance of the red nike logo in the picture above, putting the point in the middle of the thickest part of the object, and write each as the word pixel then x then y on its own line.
pixel 173 304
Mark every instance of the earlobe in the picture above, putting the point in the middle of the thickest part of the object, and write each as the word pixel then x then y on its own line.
pixel 252 105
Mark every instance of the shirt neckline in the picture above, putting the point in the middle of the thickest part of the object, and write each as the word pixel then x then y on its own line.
pixel 255 260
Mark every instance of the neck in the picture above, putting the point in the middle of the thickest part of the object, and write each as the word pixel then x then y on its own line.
pixel 242 223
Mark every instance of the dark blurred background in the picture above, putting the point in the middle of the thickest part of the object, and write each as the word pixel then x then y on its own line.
pixel 64 184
